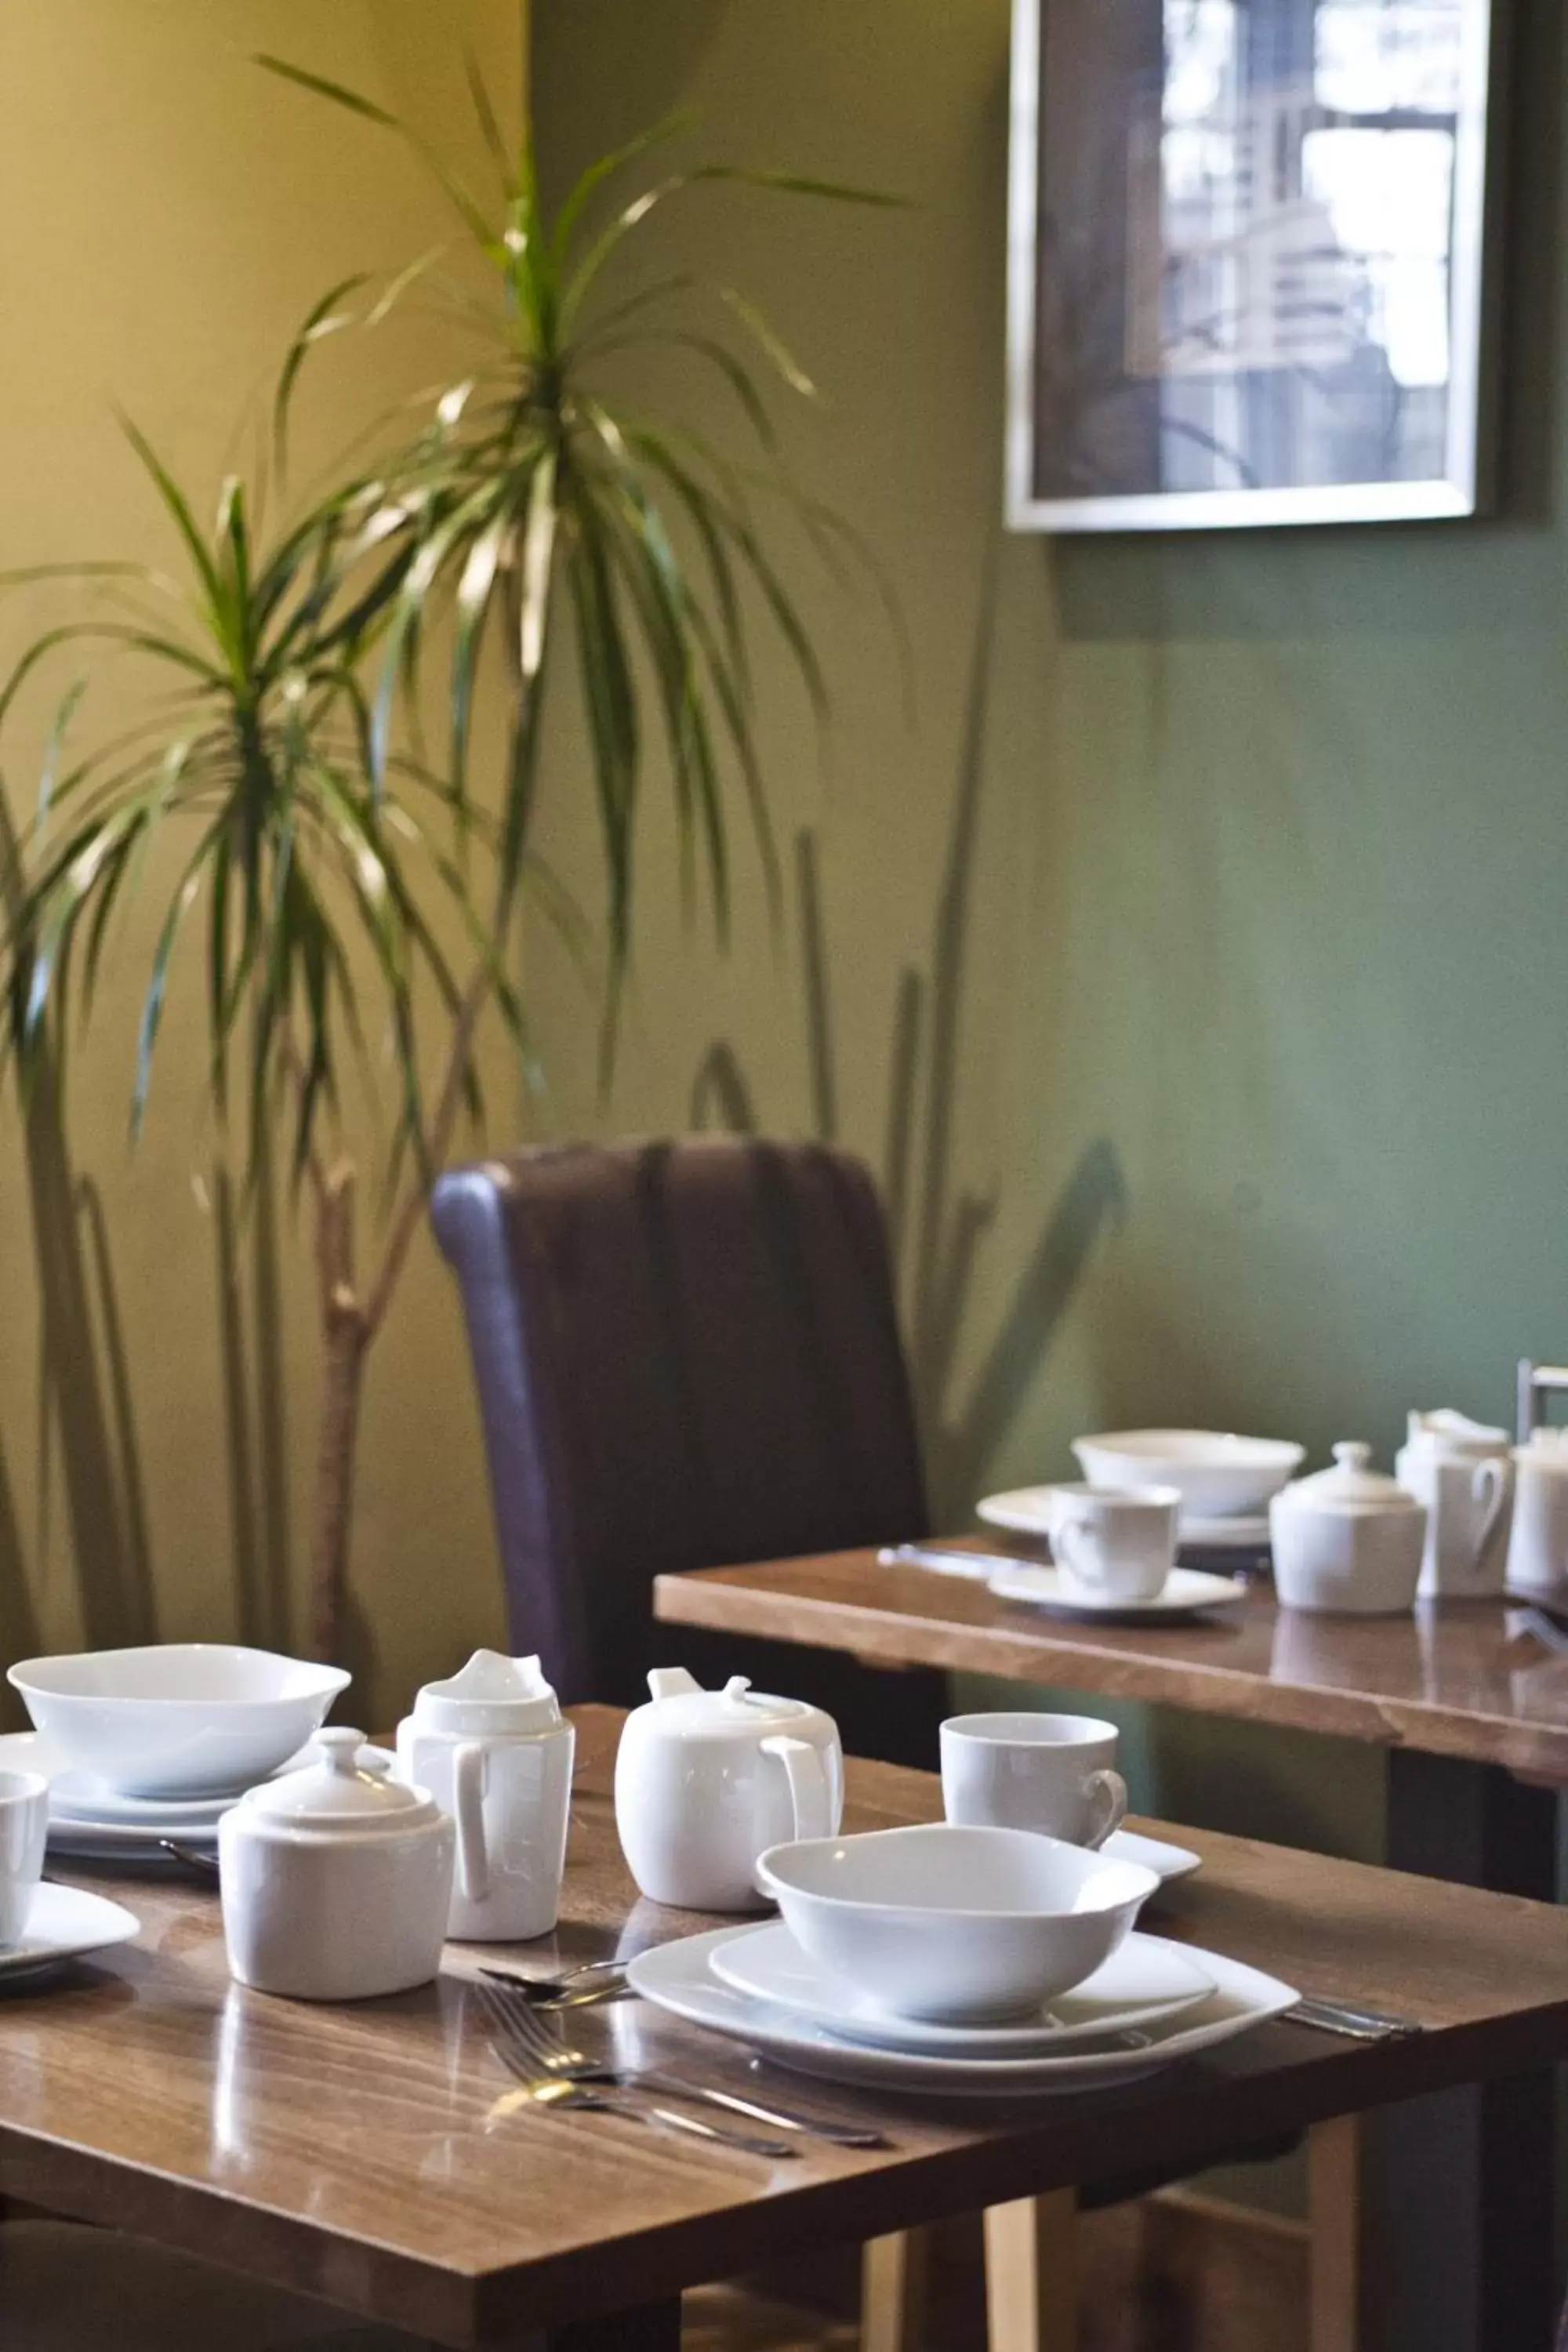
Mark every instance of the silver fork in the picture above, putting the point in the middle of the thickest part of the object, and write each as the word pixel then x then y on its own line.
pixel 549 2053
pixel 556 2088
pixel 581 1986
pixel 1355 2024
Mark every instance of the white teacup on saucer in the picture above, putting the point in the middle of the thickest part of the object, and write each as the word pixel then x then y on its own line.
pixel 1049 1773
pixel 23 1826
pixel 1114 1543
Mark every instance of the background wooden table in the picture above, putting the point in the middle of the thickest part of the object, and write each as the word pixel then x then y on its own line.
pixel 1458 1697
pixel 358 2153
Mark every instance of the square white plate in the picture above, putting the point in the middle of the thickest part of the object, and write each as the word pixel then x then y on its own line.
pixel 677 1978
pixel 1144 1980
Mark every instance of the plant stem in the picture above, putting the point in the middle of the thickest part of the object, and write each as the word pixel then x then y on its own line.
pixel 345 1336
pixel 349 1323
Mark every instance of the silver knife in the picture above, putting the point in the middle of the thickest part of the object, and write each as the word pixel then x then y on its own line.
pixel 949 1560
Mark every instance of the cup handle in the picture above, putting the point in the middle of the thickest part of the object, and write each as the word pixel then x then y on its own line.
pixel 1489 1485
pixel 468 1809
pixel 1073 1548
pixel 810 1793
pixel 1107 1801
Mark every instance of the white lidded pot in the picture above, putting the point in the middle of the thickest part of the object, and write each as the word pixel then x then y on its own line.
pixel 492 1746
pixel 1347 1541
pixel 707 1780
pixel 335 1881
pixel 1462 1470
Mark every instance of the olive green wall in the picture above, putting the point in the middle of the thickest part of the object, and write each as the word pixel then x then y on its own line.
pixel 1254 1109
pixel 167 215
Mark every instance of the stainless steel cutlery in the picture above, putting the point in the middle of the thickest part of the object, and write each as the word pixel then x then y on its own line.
pixel 533 2048
pixel 1355 2024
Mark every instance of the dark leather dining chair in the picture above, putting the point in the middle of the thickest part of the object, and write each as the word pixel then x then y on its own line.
pixel 687 1355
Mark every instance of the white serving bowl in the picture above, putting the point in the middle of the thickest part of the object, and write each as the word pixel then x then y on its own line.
pixel 955 1923
pixel 1218 1476
pixel 181 1718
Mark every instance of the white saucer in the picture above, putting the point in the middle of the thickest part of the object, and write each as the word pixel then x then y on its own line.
pixel 1153 1854
pixel 63 1923
pixel 1184 1590
pixel 677 1978
pixel 1146 1980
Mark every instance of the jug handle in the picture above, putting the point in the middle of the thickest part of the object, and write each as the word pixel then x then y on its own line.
pixel 468 1809
pixel 810 1792
pixel 1492 1474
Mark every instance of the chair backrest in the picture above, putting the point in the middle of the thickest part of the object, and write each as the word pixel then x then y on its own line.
pixel 687 1354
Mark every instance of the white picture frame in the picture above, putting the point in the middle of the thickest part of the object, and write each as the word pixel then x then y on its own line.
pixel 1248 262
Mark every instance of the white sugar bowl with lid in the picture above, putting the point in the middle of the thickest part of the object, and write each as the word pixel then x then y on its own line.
pixel 335 1881
pixel 492 1746
pixel 1347 1541
pixel 707 1780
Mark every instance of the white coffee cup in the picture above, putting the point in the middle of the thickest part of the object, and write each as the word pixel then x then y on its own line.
pixel 1051 1773
pixel 24 1824
pixel 1114 1543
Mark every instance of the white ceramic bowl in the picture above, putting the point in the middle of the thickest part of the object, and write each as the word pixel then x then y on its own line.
pixel 181 1718
pixel 949 1922
pixel 1217 1476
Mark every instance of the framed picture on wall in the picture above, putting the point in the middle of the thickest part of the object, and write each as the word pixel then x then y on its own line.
pixel 1247 247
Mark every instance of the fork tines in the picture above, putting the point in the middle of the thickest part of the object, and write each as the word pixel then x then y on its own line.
pixel 519 2050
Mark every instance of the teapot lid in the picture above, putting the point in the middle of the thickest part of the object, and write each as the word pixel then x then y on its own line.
pixel 681 1704
pixel 1351 1485
pixel 492 1693
pixel 333 1795
pixel 1454 1430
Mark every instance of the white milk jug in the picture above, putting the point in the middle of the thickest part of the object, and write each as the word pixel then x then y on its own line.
pixel 492 1746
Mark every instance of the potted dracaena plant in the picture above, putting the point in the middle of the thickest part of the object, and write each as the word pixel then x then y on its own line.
pixel 323 858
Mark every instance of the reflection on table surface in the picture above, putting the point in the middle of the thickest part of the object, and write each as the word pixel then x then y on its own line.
pixel 1466 1678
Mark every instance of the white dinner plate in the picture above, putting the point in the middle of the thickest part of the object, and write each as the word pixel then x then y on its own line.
pixel 78 1796
pixel 677 1978
pixel 1151 1853
pixel 125 1842
pixel 1184 1590
pixel 1145 1979
pixel 64 1923
pixel 92 1820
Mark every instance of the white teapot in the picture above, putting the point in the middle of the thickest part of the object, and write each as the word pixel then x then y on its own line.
pixel 492 1746
pixel 707 1780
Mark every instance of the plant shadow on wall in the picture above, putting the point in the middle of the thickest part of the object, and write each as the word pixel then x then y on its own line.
pixel 347 889
pixel 937 1229
pixel 85 1442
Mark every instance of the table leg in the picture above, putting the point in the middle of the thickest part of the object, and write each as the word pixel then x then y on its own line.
pixel 1459 2186
pixel 1031 2284
pixel 655 2327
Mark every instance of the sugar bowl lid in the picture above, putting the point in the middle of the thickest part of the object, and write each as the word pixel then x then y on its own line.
pixel 1351 1487
pixel 333 1795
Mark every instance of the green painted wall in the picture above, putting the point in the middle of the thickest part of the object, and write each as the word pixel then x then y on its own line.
pixel 1255 1109
pixel 1226 876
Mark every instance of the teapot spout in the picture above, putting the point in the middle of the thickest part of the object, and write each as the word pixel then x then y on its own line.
pixel 672 1682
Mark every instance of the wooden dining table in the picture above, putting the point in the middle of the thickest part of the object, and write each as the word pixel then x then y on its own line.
pixel 1468 1706
pixel 372 2155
